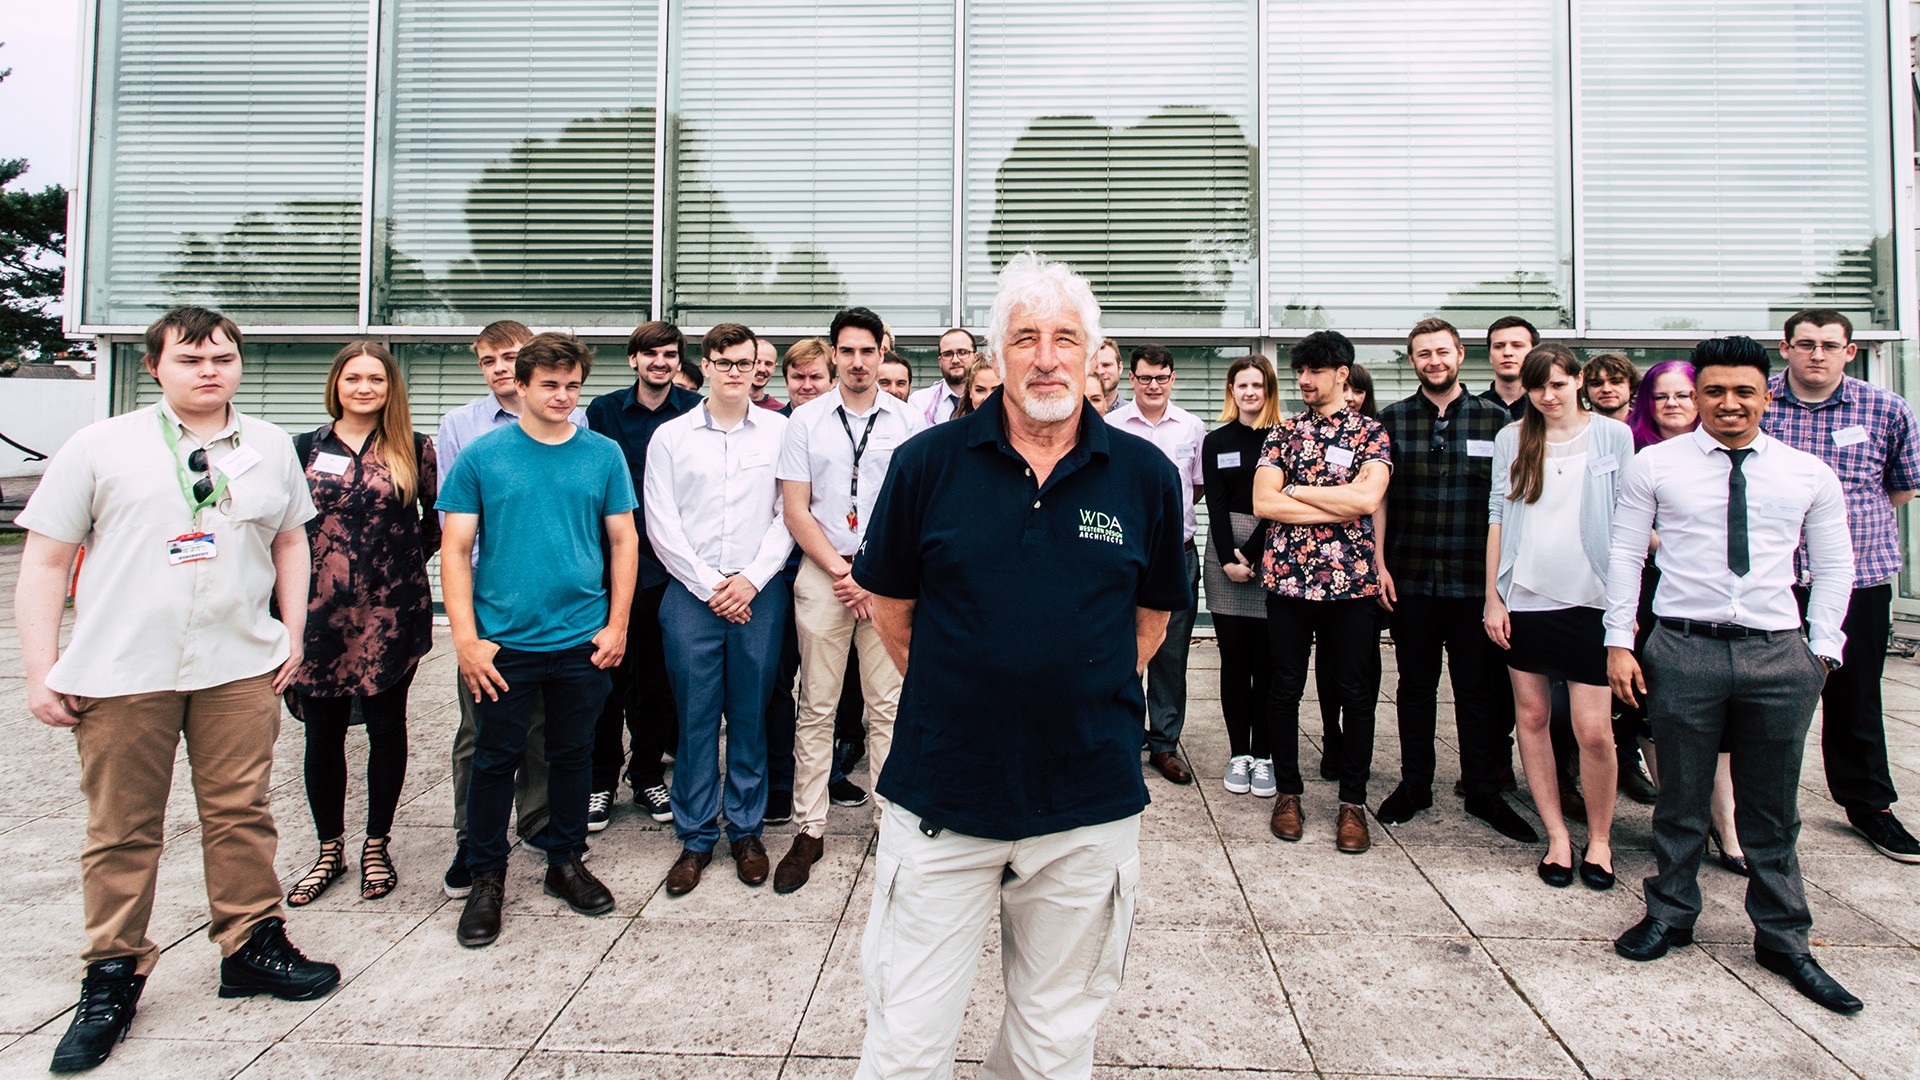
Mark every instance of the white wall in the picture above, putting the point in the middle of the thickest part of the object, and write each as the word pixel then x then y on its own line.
pixel 42 414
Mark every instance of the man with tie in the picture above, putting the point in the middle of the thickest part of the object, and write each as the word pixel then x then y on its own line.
pixel 1727 661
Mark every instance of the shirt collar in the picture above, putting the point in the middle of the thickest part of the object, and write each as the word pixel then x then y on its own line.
pixel 1709 445
pixel 988 425
pixel 674 397
pixel 753 418
pixel 880 399
pixel 1783 390
pixel 228 430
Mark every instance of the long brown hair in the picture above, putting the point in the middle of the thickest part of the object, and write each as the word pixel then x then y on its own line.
pixel 1528 479
pixel 965 404
pixel 395 425
pixel 1269 412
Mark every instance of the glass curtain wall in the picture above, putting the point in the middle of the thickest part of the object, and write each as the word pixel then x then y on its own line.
pixel 225 169
pixel 812 161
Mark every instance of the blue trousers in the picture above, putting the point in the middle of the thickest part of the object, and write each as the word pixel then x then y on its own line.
pixel 721 669
pixel 574 691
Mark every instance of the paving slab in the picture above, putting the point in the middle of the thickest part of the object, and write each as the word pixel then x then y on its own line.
pixel 320 1061
pixel 1882 1041
pixel 1302 889
pixel 136 1059
pixel 548 1065
pixel 1199 999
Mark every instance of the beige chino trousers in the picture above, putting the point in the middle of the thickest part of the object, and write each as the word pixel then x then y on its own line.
pixel 826 628
pixel 127 746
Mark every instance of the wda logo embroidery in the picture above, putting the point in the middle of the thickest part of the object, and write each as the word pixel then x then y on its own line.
pixel 1095 525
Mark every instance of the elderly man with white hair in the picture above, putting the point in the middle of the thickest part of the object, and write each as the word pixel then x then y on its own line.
pixel 1044 547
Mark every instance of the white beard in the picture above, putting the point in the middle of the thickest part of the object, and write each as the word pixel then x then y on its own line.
pixel 1049 410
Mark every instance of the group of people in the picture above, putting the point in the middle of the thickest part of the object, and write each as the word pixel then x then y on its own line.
pixel 625 583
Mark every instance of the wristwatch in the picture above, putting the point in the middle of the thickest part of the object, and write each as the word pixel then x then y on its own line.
pixel 1832 664
pixel 1287 491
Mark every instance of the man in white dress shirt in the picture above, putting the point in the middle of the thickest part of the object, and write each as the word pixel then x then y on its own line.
pixel 1153 416
pixel 935 403
pixel 832 464
pixel 1727 661
pixel 714 517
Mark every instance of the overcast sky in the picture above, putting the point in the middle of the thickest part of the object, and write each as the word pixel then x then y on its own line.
pixel 37 102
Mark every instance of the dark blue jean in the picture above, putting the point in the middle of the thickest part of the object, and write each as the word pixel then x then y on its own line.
pixel 574 691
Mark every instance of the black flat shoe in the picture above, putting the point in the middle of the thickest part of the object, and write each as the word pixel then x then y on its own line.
pixel 1733 864
pixel 1808 977
pixel 1554 874
pixel 1594 876
pixel 1649 939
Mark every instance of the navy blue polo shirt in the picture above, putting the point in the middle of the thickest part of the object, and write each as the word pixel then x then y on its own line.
pixel 620 417
pixel 1022 709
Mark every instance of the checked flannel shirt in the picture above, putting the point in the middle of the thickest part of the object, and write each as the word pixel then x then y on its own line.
pixel 1870 439
pixel 1437 501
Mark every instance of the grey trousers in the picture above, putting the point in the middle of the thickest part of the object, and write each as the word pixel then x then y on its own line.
pixel 1761 692
pixel 529 784
pixel 1167 671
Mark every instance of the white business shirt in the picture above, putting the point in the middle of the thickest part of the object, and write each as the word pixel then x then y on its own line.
pixel 1178 435
pixel 819 451
pixel 1680 488
pixel 934 404
pixel 712 502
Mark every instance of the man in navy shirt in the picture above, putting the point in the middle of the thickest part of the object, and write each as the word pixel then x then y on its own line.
pixel 641 693
pixel 1045 547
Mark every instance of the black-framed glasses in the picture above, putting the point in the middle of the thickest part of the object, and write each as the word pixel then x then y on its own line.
pixel 197 462
pixel 731 365
pixel 1154 380
pixel 954 354
pixel 1814 348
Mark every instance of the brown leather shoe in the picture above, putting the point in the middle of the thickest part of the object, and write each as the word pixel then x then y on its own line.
pixel 750 860
pixel 686 871
pixel 1572 806
pixel 797 866
pixel 576 884
pixel 1286 817
pixel 1171 767
pixel 1351 835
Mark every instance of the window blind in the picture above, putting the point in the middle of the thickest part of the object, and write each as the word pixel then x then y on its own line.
pixel 1415 163
pixel 226 165
pixel 518 141
pixel 1735 163
pixel 1116 135
pixel 813 161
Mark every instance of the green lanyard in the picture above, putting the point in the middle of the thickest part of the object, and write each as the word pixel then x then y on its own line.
pixel 194 506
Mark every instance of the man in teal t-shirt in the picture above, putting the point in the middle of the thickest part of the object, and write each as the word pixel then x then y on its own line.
pixel 532 615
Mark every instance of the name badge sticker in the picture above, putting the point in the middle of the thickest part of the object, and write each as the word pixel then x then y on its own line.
pixel 1339 456
pixel 1604 464
pixel 753 461
pixel 1782 511
pixel 1849 436
pixel 1184 451
pixel 242 459
pixel 330 464
pixel 190 547
pixel 1479 447
pixel 1228 461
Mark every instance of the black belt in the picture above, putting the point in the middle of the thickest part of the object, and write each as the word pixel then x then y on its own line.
pixel 1189 546
pixel 1724 631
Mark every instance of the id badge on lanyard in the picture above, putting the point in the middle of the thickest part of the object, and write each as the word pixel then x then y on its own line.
pixel 190 547
pixel 198 546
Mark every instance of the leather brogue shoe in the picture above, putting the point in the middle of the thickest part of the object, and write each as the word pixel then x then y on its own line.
pixel 1649 939
pixel 797 867
pixel 1808 977
pixel 574 883
pixel 480 919
pixel 750 860
pixel 686 871
pixel 1286 823
pixel 1350 834
pixel 109 997
pixel 269 964
pixel 1171 767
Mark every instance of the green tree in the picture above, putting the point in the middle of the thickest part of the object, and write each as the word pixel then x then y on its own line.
pixel 33 246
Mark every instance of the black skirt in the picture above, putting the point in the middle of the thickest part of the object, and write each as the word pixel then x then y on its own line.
pixel 1566 644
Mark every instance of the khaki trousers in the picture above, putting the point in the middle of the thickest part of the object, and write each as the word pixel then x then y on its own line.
pixel 826 628
pixel 127 746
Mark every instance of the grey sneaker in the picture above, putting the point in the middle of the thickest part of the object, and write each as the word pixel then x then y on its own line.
pixel 1239 768
pixel 1262 779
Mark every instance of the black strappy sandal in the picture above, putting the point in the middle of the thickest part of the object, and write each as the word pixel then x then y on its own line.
pixel 377 876
pixel 331 866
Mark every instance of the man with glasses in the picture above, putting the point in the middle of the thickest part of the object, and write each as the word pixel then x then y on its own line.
pixel 1433 580
pixel 935 403
pixel 1868 437
pixel 833 462
pixel 1153 416
pixel 192 516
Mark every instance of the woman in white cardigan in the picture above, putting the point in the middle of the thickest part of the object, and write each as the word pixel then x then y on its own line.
pixel 1555 477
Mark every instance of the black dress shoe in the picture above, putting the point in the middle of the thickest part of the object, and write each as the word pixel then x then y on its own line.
pixel 1594 876
pixel 1405 802
pixel 574 883
pixel 108 998
pixel 1634 783
pixel 1650 939
pixel 1554 874
pixel 1808 977
pixel 1495 812
pixel 269 964
pixel 480 919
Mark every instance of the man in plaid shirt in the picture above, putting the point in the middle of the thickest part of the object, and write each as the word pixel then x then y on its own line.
pixel 1433 579
pixel 1870 439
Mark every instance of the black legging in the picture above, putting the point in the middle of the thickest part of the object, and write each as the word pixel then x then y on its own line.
pixel 1246 673
pixel 327 721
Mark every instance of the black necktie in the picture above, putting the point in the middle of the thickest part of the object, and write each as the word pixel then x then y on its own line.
pixel 1737 512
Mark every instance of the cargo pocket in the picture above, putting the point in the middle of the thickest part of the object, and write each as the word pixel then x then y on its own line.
pixel 878 945
pixel 1110 966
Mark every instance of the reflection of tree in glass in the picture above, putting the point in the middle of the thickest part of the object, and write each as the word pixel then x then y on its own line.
pixel 299 260
pixel 1533 296
pixel 1859 286
pixel 1155 215
pixel 722 271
